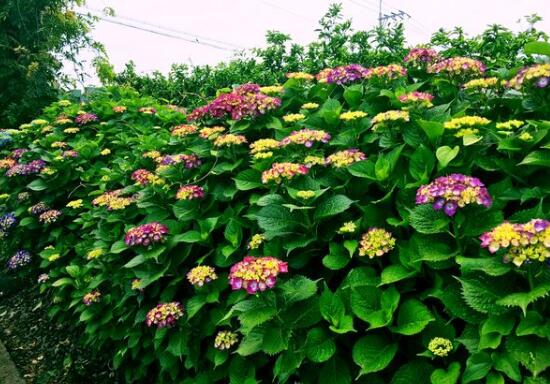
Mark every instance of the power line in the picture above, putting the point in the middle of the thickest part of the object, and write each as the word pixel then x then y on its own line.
pixel 179 32
pixel 285 10
pixel 166 34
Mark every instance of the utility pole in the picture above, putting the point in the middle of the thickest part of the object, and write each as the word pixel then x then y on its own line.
pixel 380 13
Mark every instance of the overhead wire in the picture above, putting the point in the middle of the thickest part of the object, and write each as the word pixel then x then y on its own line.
pixel 276 6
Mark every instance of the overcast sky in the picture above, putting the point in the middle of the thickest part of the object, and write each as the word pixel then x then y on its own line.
pixel 243 23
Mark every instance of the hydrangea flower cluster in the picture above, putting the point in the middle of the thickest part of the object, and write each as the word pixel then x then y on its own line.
pixel 466 125
pixel 146 234
pixel 71 131
pixel 421 56
pixel 94 253
pixel 5 138
pixel 17 154
pixel 71 153
pixel 386 72
pixel 91 297
pixel 452 192
pixel 306 137
pixel 280 171
pixel 272 89
pixel 145 177
pixel 458 66
pixel 190 161
pixel 225 340
pixel 256 241
pixel 18 260
pixel 147 110
pixel 300 76
pixel 537 75
pixel 85 118
pixel 31 168
pixel 510 124
pixel 523 243
pixel 322 77
pixel 264 145
pixel 210 132
pixel 113 200
pixel 376 242
pixel 293 117
pixel 352 115
pixel 422 99
pixel 482 83
pixel 23 196
pixel 38 208
pixel 390 116
pixel 244 101
pixel 42 278
pixel 201 275
pixel 190 192
pixel 344 158
pixel 344 74
pixel 7 163
pixel 136 285
pixel 164 315
pixel 50 216
pixel 119 109
pixel 347 227
pixel 306 195
pixel 7 222
pixel 310 106
pixel 75 204
pixel 440 346
pixel 184 130
pixel 256 273
pixel 229 140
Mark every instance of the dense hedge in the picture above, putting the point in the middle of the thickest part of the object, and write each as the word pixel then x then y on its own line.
pixel 336 222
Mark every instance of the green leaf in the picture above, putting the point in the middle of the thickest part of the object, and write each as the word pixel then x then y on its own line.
pixel 482 293
pixel 395 273
pixel 137 260
pixel 492 266
pixel 446 154
pixel 425 219
pixel 337 259
pixel 233 232
pixel 537 48
pixel 415 371
pixel 298 288
pixel 373 353
pixel 541 158
pixel 332 206
pixel 188 237
pixel 353 95
pixel 118 247
pixel 331 306
pixel 412 318
pixel 37 185
pixel 275 340
pixel 477 367
pixel 248 179
pixel 505 363
pixel 335 371
pixel 319 345
pixel 449 376
pixel 523 299
pixel 433 129
pixel 276 219
pixel 533 324
pixel 62 281
pixel 531 352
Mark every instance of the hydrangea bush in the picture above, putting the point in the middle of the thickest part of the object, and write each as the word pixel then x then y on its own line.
pixel 382 225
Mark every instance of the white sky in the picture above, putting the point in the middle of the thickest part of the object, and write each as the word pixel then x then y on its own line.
pixel 244 23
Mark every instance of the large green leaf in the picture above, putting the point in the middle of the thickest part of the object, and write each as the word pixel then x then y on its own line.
pixel 412 318
pixel 319 345
pixel 373 353
pixel 332 206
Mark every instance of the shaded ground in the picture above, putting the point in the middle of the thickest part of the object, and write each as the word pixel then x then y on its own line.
pixel 43 351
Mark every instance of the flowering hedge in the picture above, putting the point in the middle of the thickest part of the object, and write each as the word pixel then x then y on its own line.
pixel 381 224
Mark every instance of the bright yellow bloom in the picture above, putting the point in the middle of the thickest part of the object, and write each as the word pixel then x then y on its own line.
pixel 256 241
pixel 39 122
pixel 48 171
pixel 300 76
pixel 228 140
pixel 152 155
pixel 305 194
pixel 263 155
pixel 490 82
pixel 94 253
pixel 466 122
pixel 376 242
pixel 225 340
pixel 314 160
pixel 348 116
pixel 525 136
pixel 54 257
pixel 272 89
pixel 390 116
pixel 440 346
pixel 510 124
pixel 293 117
pixel 348 227
pixel 105 152
pixel 263 145
pixel 201 275
pixel 63 103
pixel 310 106
pixel 210 132
pixel 75 204
pixel 4 196
pixel 71 130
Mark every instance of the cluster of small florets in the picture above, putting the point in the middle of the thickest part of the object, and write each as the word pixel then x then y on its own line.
pixel 38 208
pixel 184 130
pixel 280 171
pixel 421 56
pixel 190 161
pixel 30 168
pixel 7 163
pixel 164 315
pixel 210 132
pixel 146 234
pixel 91 297
pixel 264 145
pixel 352 115
pixel 347 227
pixel 42 278
pixel 49 217
pixel 422 99
pixel 7 222
pixel 386 72
pixel 145 177
pixel 119 109
pixel 256 273
pixel 344 158
pixel 345 74
pixel 85 118
pixel 71 131
pixel 300 76
pixel 75 204
pixel 322 77
pixel 176 108
pixel 201 275
pixel 390 116
pixel 70 153
pixel 59 144
pixel 510 124
pixel 17 154
pixel 152 155
pixel 18 260
pixel 137 285
pixel 190 192
pixel 310 106
pixel 244 101
pixel 466 125
pixel 147 110
pixel 5 138
pixel 305 195
pixel 113 200
pixel 293 117
pixel 23 196
pixel 523 243
pixel 225 340
pixel 452 192
pixel 229 140
pixel 306 137
pixel 458 66
pixel 376 242
pixel 483 83
pixel 537 75
pixel 440 346
pixel 256 241
pixel 272 89
pixel 94 253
